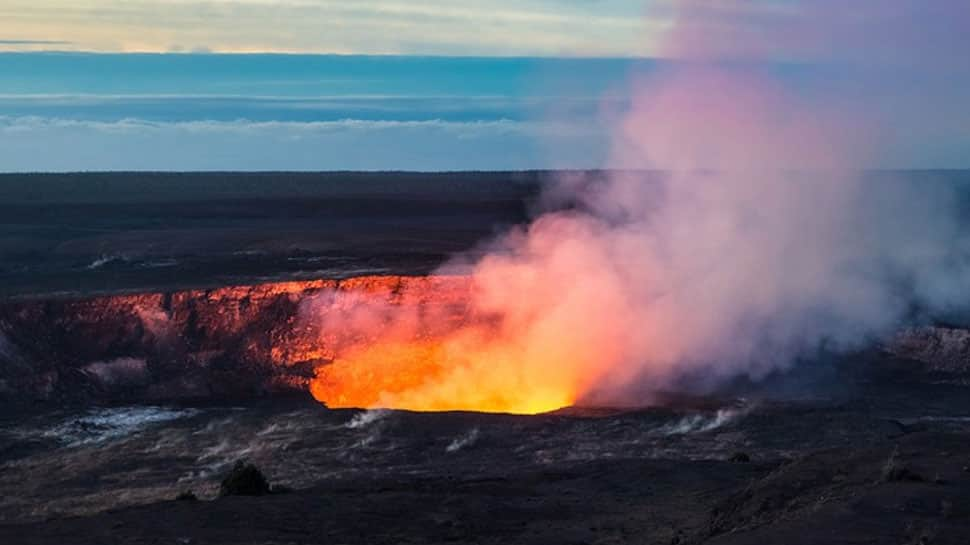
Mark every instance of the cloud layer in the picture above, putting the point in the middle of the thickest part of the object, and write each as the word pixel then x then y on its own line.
pixel 503 27
pixel 51 144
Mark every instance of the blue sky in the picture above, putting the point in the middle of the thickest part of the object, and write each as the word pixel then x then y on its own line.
pixel 440 85
pixel 74 111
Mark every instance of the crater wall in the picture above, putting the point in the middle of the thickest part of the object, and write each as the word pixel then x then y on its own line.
pixel 231 342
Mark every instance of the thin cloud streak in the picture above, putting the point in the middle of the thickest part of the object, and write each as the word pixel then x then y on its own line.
pixel 531 27
pixel 53 144
pixel 34 42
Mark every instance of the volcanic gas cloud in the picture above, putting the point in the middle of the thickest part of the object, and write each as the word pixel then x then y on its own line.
pixel 755 241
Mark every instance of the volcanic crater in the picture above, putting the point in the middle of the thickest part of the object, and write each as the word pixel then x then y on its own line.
pixel 122 405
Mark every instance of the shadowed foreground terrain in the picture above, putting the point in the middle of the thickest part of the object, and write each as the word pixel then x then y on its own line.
pixel 886 461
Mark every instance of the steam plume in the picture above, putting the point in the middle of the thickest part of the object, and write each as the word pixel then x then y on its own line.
pixel 756 241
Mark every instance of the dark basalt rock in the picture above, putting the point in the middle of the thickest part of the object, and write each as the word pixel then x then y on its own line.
pixel 244 480
pixel 896 470
pixel 186 495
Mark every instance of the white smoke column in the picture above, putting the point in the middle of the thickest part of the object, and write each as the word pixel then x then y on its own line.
pixel 759 246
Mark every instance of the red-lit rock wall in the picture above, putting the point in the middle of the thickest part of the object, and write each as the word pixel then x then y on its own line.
pixel 228 342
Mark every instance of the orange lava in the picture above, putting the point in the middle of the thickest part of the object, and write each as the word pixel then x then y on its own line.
pixel 434 376
pixel 414 345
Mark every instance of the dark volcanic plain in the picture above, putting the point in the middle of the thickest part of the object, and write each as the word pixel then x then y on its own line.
pixel 110 232
pixel 871 447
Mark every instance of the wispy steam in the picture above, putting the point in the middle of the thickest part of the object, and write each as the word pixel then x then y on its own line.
pixel 700 423
pixel 366 418
pixel 467 440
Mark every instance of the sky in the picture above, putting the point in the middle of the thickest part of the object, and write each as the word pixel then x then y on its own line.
pixel 442 84
pixel 404 27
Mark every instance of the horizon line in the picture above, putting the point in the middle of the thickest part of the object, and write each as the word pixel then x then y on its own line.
pixel 4 173
pixel 276 53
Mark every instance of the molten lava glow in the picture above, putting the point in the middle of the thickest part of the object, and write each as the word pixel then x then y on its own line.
pixel 426 344
pixel 520 335
pixel 437 375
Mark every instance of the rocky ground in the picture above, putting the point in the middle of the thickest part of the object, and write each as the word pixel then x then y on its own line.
pixel 883 459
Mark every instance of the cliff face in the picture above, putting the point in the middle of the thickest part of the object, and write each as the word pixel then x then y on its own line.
pixel 222 343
